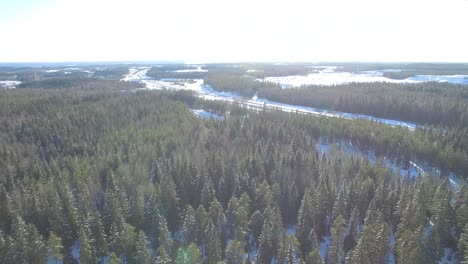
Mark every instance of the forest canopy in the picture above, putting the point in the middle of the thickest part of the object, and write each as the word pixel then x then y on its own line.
pixel 135 177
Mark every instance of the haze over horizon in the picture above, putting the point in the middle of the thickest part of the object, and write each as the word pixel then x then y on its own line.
pixel 233 31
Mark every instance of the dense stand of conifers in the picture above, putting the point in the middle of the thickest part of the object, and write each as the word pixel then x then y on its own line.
pixel 438 104
pixel 136 178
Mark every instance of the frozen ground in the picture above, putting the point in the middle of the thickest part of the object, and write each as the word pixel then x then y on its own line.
pixel 414 169
pixel 328 76
pixel 324 245
pixel 205 114
pixel 198 69
pixel 205 91
pixel 9 84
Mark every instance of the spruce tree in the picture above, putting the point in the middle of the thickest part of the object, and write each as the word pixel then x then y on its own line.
pixel 143 253
pixel 234 252
pixel 55 247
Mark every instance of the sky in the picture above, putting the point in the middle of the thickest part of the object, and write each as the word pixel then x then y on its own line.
pixel 234 30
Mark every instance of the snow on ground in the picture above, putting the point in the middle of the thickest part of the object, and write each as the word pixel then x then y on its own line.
pixel 291 230
pixel 456 79
pixel 205 91
pixel 428 229
pixel 75 250
pixel 324 245
pixel 391 253
pixel 328 76
pixel 9 84
pixel 198 69
pixel 205 114
pixel 138 74
pixel 316 111
pixel 420 170
pixel 449 257
pixel 414 170
pixel 454 182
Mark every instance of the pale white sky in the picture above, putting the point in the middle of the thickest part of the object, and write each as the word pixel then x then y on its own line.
pixel 240 30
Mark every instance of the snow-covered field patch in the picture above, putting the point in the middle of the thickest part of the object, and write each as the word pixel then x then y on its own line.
pixel 198 69
pixel 9 84
pixel 329 76
pixel 205 114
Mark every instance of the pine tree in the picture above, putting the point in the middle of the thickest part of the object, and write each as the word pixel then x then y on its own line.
pixel 373 244
pixel 5 250
pixel 87 253
pixel 256 223
pixel 461 209
pixel 314 257
pixel 443 217
pixel 208 191
pixel 189 225
pixel 169 201
pixel 202 219
pixel 213 244
pixel 188 255
pixel 352 238
pixel 142 254
pixel 99 235
pixel 336 251
pixel 305 223
pixel 163 257
pixel 27 243
pixel 289 250
pixel 463 245
pixel 114 259
pixel 234 252
pixel 165 237
pixel 269 240
pixel 409 248
pixel 218 218
pixel 55 247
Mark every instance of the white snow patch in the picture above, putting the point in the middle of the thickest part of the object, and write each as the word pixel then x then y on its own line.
pixel 428 229
pixel 75 251
pixel 449 257
pixel 205 114
pixel 328 76
pixel 324 245
pixel 291 230
pixel 198 69
pixel 456 79
pixel 391 253
pixel 9 84
pixel 420 170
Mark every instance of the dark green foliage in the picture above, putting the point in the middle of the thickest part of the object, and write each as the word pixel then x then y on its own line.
pixel 136 177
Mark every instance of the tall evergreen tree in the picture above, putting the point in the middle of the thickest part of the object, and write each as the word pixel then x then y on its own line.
pixel 55 247
pixel 213 244
pixel 143 253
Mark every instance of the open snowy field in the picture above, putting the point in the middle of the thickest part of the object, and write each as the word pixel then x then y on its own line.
pixel 329 76
pixel 9 84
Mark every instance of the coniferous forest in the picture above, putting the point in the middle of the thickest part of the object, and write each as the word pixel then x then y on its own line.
pixel 96 172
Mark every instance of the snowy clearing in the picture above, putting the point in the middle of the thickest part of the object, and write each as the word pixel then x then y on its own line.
pixel 205 114
pixel 198 69
pixel 9 84
pixel 328 76
pixel 205 91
